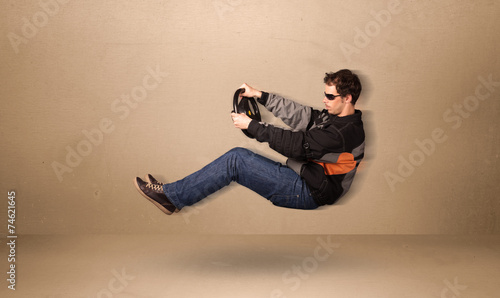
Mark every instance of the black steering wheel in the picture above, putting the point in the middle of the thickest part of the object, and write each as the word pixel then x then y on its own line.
pixel 246 105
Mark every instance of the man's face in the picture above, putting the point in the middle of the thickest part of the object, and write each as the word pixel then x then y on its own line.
pixel 335 106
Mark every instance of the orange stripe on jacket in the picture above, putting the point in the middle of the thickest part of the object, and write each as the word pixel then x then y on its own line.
pixel 344 165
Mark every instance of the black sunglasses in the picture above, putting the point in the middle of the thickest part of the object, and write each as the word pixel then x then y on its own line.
pixel 331 96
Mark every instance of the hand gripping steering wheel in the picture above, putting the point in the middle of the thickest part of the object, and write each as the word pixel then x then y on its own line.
pixel 246 105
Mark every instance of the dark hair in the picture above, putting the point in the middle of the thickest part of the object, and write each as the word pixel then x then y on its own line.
pixel 346 81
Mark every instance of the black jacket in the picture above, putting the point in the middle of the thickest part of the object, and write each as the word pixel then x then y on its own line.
pixel 324 149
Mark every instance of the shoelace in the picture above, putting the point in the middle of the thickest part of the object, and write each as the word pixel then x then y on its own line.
pixel 155 187
pixel 150 178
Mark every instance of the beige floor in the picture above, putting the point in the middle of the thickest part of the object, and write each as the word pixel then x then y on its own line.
pixel 148 266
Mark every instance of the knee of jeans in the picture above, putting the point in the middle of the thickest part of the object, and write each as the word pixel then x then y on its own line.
pixel 239 151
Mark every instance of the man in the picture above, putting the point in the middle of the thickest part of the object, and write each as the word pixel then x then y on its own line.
pixel 324 150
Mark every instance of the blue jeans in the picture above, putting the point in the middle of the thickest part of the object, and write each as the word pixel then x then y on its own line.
pixel 275 182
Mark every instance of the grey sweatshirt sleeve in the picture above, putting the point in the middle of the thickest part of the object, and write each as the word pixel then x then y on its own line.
pixel 293 114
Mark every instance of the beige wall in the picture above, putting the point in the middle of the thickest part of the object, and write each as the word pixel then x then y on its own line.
pixel 65 68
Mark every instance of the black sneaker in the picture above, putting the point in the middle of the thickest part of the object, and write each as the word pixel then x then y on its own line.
pixel 152 180
pixel 154 193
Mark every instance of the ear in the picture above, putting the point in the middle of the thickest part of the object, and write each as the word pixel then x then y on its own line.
pixel 348 98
